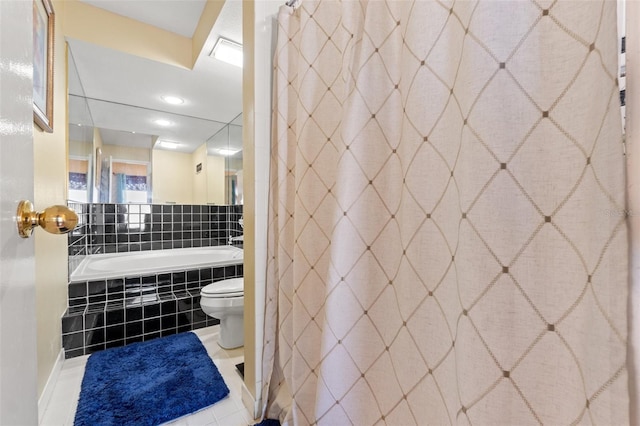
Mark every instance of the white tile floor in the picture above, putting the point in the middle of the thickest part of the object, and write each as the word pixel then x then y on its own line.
pixel 230 411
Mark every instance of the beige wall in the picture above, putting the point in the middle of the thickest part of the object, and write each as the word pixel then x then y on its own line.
pixel 98 26
pixel 199 156
pixel 80 148
pixel 97 139
pixel 216 179
pixel 248 133
pixel 78 166
pixel 127 153
pixel 131 169
pixel 50 177
pixel 207 20
pixel 110 30
pixel 175 178
pixel 172 177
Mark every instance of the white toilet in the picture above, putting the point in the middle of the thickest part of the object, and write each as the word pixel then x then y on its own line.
pixel 225 300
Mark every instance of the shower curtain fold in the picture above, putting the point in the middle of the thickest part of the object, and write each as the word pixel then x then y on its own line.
pixel 447 238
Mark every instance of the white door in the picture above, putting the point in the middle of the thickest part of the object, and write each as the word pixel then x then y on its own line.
pixel 18 375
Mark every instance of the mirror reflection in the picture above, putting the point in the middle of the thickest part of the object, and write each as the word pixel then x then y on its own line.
pixel 127 143
pixel 130 167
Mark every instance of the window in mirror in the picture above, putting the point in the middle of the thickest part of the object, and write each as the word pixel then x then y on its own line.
pixel 129 182
pixel 78 170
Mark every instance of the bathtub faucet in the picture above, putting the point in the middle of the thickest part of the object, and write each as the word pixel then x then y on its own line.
pixel 239 237
pixel 235 239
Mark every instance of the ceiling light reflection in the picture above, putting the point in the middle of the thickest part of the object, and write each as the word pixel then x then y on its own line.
pixel 173 100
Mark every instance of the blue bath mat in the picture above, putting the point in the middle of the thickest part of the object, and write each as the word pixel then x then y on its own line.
pixel 268 422
pixel 148 383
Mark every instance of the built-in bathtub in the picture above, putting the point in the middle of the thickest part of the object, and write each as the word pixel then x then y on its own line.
pixel 105 266
pixel 118 299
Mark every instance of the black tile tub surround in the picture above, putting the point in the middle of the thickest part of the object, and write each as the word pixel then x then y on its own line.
pixel 135 309
pixel 119 311
pixel 116 228
pixel 77 239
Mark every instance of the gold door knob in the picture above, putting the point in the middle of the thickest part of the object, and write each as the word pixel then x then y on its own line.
pixel 54 219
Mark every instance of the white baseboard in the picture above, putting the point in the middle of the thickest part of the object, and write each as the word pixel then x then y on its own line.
pixel 250 403
pixel 43 401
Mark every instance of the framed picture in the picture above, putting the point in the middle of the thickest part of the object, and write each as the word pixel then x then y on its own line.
pixel 43 42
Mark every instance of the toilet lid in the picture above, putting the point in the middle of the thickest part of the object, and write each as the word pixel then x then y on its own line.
pixel 225 288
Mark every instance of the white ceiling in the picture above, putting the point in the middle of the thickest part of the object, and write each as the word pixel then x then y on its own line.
pixel 178 16
pixel 123 92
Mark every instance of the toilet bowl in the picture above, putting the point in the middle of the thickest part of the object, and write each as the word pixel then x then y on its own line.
pixel 225 300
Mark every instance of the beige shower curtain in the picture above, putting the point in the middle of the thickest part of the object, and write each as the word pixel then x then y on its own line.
pixel 447 238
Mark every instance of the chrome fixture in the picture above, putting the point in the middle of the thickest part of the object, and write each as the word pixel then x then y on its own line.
pixel 239 237
pixel 236 239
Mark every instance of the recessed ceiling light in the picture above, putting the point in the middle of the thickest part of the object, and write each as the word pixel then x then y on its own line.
pixel 173 100
pixel 162 122
pixel 227 151
pixel 168 145
pixel 228 51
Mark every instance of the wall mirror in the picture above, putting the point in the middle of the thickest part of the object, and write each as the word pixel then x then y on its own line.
pixel 142 131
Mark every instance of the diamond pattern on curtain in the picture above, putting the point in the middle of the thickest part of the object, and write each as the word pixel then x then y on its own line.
pixel 447 237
